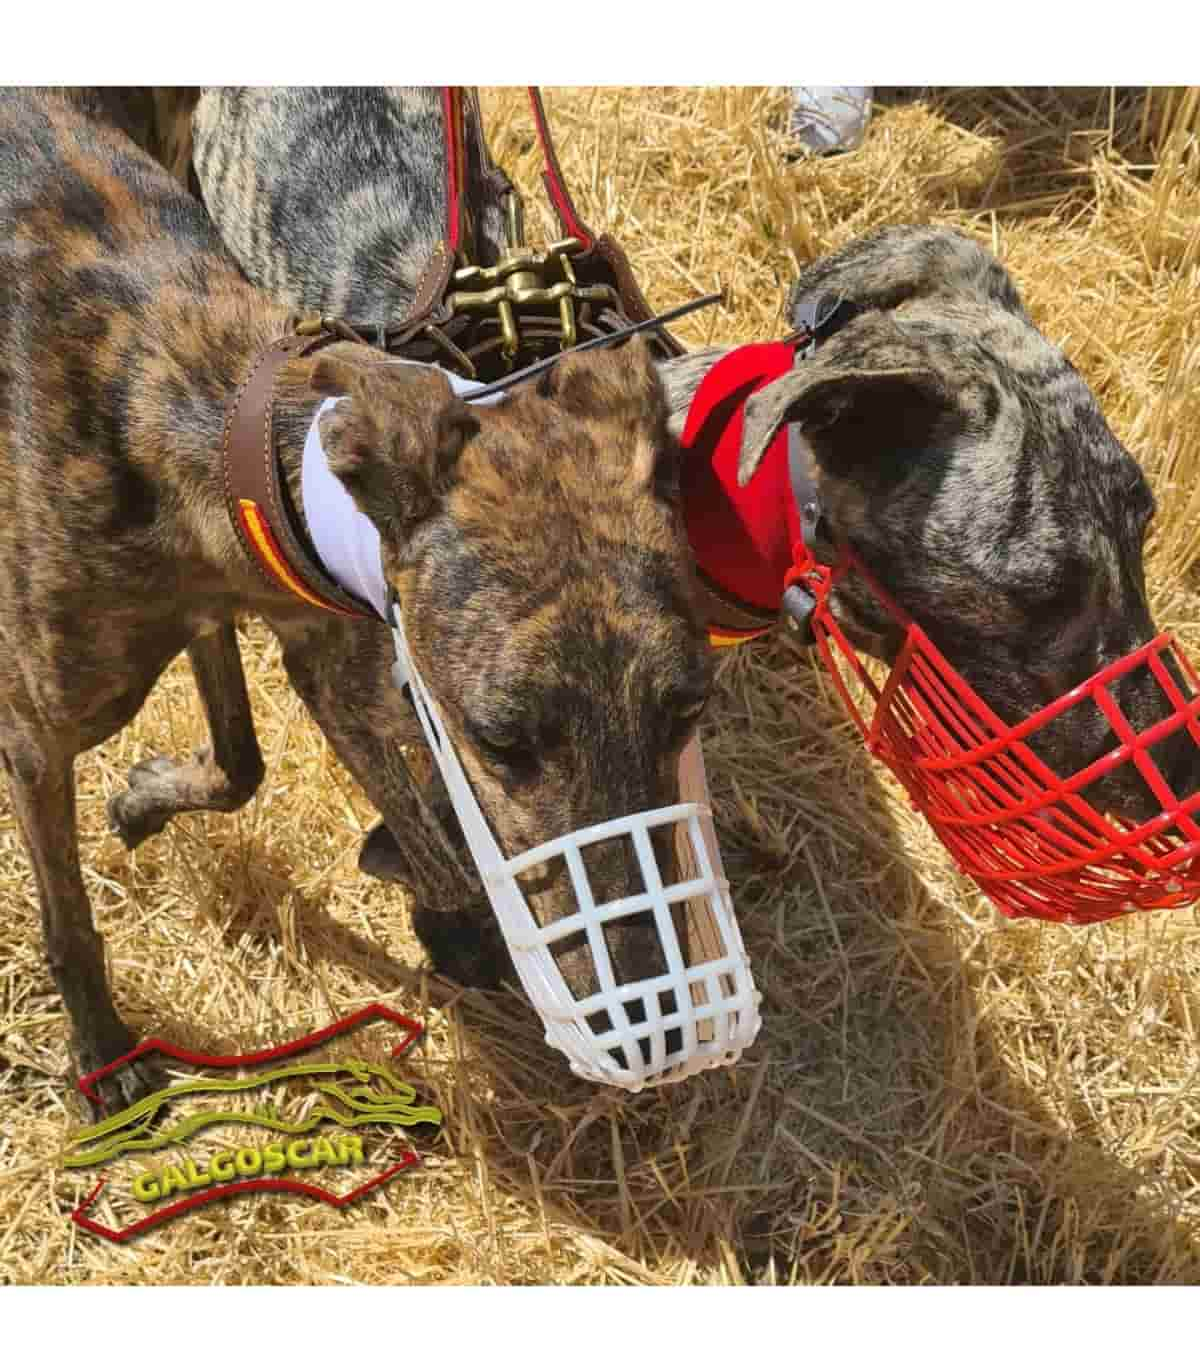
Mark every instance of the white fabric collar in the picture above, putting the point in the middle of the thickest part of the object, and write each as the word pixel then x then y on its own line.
pixel 346 541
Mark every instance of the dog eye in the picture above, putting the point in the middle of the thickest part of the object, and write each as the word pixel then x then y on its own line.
pixel 505 744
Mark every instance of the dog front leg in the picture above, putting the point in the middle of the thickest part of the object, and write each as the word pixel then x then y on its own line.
pixel 43 791
pixel 342 672
pixel 221 776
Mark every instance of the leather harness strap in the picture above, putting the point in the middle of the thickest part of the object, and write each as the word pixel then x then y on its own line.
pixel 552 177
pixel 255 498
pixel 607 249
pixel 434 280
pixel 253 490
pixel 729 621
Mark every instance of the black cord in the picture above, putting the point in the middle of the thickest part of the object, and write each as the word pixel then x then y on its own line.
pixel 536 368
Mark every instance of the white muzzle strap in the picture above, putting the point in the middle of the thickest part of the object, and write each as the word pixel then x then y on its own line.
pixel 702 1012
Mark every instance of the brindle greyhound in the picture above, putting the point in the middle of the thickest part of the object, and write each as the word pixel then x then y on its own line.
pixel 333 199
pixel 954 445
pixel 570 671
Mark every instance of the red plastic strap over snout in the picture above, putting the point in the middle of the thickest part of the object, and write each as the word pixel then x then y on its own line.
pixel 1026 835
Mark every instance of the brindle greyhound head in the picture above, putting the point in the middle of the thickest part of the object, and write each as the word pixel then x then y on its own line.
pixel 545 579
pixel 970 466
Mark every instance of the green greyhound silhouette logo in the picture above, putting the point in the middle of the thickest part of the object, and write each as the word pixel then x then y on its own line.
pixel 350 1093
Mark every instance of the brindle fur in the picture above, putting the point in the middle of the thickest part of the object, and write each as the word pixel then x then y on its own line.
pixel 569 668
pixel 970 466
pixel 330 197
pixel 333 198
pixel 953 445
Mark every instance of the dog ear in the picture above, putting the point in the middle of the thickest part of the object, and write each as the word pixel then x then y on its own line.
pixel 395 440
pixel 850 417
pixel 620 385
pixel 604 382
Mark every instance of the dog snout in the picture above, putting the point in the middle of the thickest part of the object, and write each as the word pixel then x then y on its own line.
pixel 632 942
pixel 614 873
pixel 1182 764
pixel 1144 702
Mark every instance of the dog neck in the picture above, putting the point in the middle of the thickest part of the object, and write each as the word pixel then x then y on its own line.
pixel 744 539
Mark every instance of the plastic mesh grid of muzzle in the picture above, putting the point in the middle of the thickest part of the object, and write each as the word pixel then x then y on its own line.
pixel 705 1002
pixel 701 1012
pixel 1027 836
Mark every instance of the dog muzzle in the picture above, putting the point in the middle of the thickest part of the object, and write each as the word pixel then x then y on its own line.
pixel 702 1012
pixel 1028 836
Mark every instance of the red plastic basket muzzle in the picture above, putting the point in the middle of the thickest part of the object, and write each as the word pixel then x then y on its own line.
pixel 1026 835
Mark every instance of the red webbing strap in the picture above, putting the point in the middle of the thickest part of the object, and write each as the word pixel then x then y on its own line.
pixel 456 163
pixel 573 226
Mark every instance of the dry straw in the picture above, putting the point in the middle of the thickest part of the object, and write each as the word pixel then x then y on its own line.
pixel 937 1095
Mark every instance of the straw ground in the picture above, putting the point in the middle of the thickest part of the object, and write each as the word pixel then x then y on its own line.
pixel 937 1095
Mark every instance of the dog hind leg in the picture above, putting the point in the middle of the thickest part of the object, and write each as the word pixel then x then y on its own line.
pixel 220 776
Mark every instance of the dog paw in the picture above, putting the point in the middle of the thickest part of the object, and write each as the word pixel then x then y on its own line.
pixel 465 946
pixel 116 1090
pixel 125 1087
pixel 144 809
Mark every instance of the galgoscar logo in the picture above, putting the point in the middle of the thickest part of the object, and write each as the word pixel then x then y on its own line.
pixel 347 1098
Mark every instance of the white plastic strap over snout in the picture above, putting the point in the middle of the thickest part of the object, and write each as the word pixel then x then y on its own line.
pixel 702 1012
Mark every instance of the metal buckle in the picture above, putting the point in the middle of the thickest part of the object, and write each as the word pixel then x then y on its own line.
pixel 806 585
pixel 799 605
pixel 308 326
pixel 523 280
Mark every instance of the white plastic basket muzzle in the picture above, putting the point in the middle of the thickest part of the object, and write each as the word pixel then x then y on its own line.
pixel 705 1002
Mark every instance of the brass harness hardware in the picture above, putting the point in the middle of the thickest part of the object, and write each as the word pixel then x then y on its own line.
pixel 529 306
pixel 308 326
pixel 523 281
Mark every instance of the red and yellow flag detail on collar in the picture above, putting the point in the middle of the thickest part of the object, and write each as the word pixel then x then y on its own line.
pixel 258 531
pixel 720 637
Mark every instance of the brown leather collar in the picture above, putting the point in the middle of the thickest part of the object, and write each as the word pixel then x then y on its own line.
pixel 253 489
pixel 730 620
